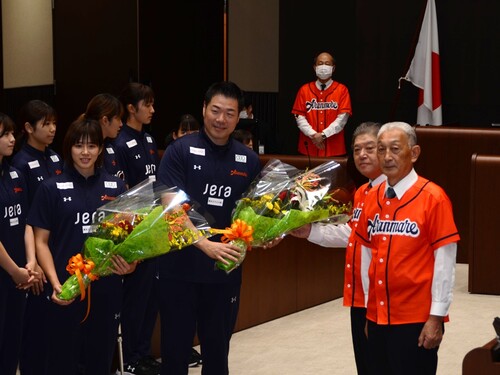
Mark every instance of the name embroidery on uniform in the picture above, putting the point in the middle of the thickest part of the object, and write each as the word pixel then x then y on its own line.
pixel 110 184
pixel 110 150
pixel 197 151
pixel 149 139
pixel 34 164
pixel 392 227
pixel 240 158
pixel 64 185
pixel 131 143
pixel 54 158
pixel 314 105
pixel 215 202
pixel 13 175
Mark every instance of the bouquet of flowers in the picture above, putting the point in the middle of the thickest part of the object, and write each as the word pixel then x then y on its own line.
pixel 142 223
pixel 284 198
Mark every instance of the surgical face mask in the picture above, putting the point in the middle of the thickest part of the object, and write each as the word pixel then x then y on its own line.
pixel 243 114
pixel 324 71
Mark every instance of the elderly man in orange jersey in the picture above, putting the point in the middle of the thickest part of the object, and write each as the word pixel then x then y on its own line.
pixel 408 229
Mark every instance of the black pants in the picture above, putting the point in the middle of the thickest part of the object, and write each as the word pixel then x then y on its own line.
pixel 394 350
pixel 359 340
pixel 210 309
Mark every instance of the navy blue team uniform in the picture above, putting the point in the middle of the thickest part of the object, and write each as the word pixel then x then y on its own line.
pixel 37 166
pixel 110 162
pixel 191 288
pixel 66 206
pixel 137 155
pixel 14 206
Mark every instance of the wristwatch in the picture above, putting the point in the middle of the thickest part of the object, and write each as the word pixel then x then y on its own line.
pixel 323 136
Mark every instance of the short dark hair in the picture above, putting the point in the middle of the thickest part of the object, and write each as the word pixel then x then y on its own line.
pixel 188 123
pixel 84 129
pixel 133 93
pixel 243 135
pixel 104 104
pixel 367 127
pixel 34 111
pixel 228 89
pixel 7 124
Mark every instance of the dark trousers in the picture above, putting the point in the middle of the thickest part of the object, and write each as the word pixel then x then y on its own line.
pixel 52 336
pixel 100 329
pixel 359 340
pixel 12 302
pixel 208 309
pixel 139 310
pixel 394 350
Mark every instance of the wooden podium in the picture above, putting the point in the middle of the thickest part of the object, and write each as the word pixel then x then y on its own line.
pixel 481 361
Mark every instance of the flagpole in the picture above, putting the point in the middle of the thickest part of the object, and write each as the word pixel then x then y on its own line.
pixel 395 102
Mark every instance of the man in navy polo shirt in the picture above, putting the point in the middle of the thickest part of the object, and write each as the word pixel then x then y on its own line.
pixel 214 170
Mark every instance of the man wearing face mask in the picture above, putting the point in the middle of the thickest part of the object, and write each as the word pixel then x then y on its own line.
pixel 321 109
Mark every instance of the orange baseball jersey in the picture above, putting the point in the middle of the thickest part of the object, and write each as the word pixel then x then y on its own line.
pixel 321 108
pixel 403 235
pixel 353 288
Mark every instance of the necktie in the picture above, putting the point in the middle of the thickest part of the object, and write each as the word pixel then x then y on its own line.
pixel 390 193
pixel 323 86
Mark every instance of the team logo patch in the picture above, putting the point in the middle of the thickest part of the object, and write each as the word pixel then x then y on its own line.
pixel 235 172
pixel 149 139
pixel 64 185
pixel 314 105
pixel 240 158
pixel 18 189
pixel 197 167
pixel 106 197
pixel 34 164
pixel 54 158
pixel 392 227
pixel 197 151
pixel 132 143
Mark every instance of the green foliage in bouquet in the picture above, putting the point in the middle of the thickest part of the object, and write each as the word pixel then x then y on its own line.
pixel 137 234
pixel 283 198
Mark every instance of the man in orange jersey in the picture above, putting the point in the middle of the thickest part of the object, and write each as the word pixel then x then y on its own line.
pixel 364 146
pixel 321 109
pixel 408 229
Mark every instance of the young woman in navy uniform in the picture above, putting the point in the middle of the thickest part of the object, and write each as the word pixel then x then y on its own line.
pixel 214 170
pixel 108 111
pixel 17 252
pixel 35 159
pixel 137 154
pixel 62 214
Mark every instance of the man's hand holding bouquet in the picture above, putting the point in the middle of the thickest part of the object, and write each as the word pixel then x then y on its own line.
pixel 283 198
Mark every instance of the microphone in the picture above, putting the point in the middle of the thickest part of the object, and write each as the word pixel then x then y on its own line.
pixel 306 144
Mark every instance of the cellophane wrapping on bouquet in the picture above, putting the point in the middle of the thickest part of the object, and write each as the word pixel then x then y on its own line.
pixel 144 222
pixel 283 198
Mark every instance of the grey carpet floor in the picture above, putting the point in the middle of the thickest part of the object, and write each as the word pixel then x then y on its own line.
pixel 317 341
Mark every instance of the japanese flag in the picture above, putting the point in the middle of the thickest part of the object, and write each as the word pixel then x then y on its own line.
pixel 424 70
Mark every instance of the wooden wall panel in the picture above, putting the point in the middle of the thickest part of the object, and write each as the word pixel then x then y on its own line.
pixel 484 257
pixel 445 160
